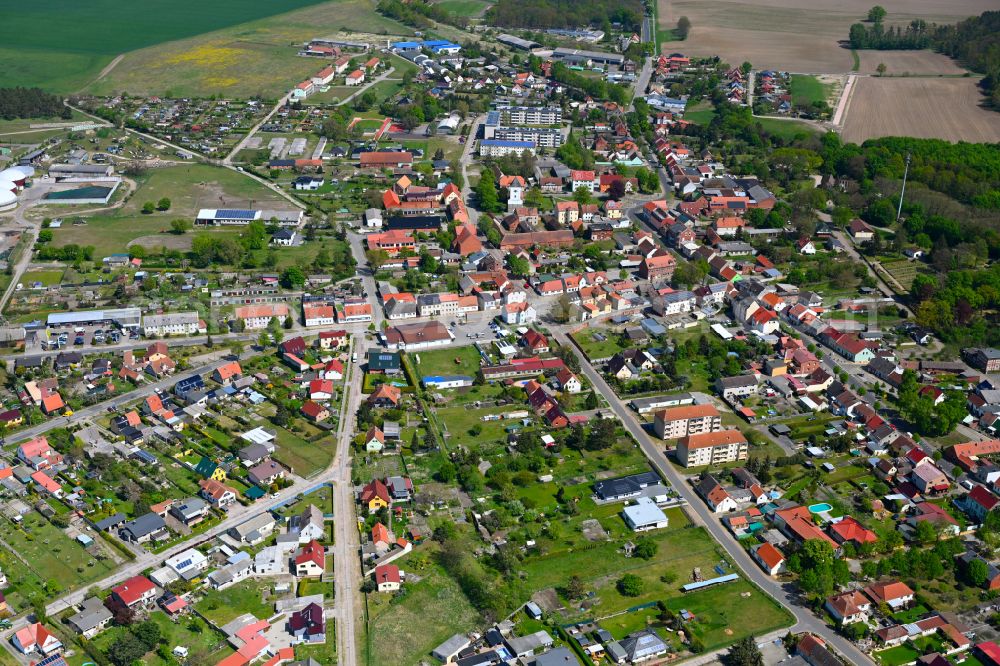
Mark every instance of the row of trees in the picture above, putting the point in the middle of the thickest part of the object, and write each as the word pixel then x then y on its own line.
pixel 565 13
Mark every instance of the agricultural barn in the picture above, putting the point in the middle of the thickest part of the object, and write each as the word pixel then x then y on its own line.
pixel 242 217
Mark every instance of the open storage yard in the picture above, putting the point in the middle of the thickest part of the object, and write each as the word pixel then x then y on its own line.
pixel 935 108
pixel 790 35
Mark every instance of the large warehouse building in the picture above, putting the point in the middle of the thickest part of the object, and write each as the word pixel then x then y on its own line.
pixel 124 317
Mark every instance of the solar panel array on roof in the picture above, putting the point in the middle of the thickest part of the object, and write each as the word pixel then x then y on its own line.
pixel 235 214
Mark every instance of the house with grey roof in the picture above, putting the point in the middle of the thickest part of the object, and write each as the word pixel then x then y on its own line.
pixel 91 618
pixel 254 530
pixel 308 525
pixel 560 656
pixel 148 527
pixel 643 645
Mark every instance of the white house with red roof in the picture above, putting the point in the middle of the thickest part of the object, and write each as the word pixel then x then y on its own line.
pixel 585 179
pixel 388 578
pixel 37 454
pixel 310 560
pixel 769 558
pixel 135 591
pixel 333 370
pixel 568 382
pixel 35 638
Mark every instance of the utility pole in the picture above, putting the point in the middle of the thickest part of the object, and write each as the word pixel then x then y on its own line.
pixel 906 171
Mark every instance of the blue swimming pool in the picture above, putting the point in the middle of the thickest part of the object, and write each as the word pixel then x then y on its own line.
pixel 820 508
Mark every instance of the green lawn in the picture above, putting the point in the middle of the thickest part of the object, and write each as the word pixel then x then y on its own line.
pixel 786 129
pixel 47 278
pixel 461 420
pixel 54 560
pixel 223 606
pixel 63 44
pixel 205 644
pixel 598 349
pixel 464 7
pixel 304 457
pixel 456 361
pixel 700 112
pixel 433 610
pixel 724 613
pixel 806 89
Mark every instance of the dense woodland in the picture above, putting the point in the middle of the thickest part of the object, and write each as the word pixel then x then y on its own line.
pixel 975 42
pixel 30 103
pixel 565 13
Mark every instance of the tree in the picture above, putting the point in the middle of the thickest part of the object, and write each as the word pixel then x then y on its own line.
pixel 646 549
pixel 518 265
pixel 562 309
pixel 583 196
pixel 745 653
pixel 148 632
pixel 630 585
pixel 575 588
pixel 876 14
pixel 127 650
pixel 486 192
pixel 683 28
pixel 180 226
pixel 148 208
pixel 976 572
pixel 881 69
pixel 282 415
pixel 255 236
pixel 163 204
pixel 293 278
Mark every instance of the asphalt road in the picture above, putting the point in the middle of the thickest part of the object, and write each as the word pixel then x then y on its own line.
pixel 805 620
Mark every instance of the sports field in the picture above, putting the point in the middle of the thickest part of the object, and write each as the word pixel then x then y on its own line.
pixel 62 45
pixel 793 35
pixel 912 107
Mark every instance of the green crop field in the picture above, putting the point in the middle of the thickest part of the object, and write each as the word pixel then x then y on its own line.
pixel 61 45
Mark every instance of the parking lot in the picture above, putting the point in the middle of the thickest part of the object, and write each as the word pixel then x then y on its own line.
pixel 56 339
